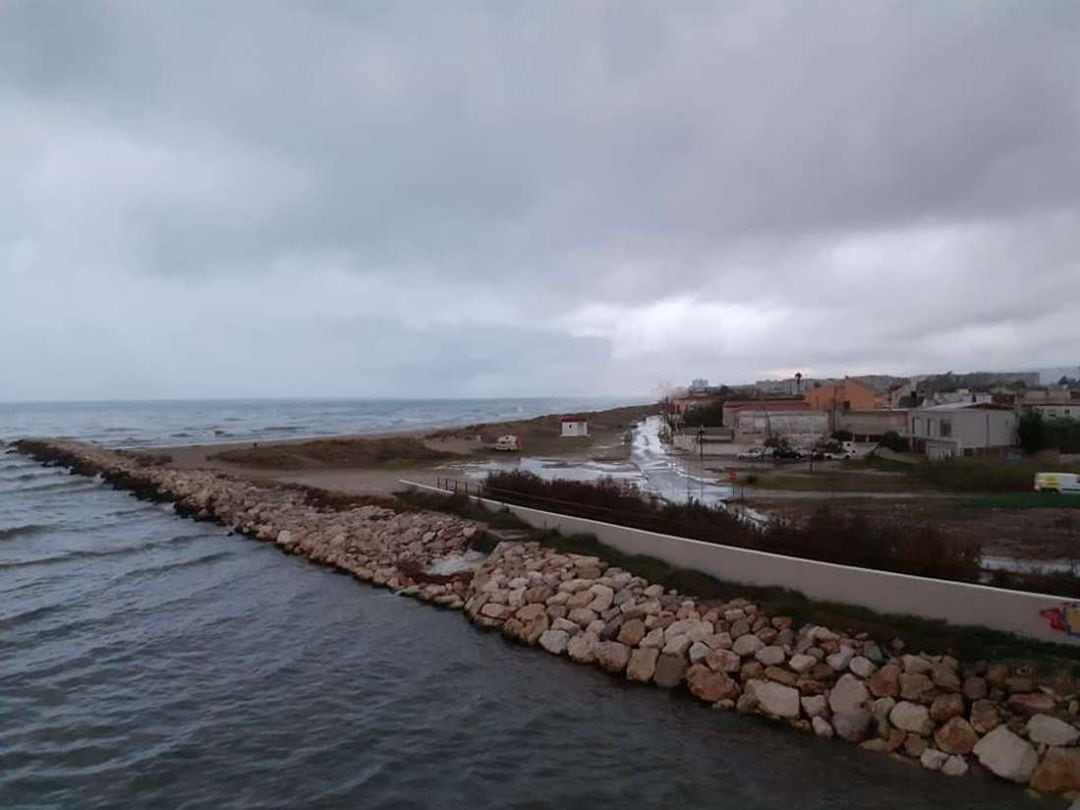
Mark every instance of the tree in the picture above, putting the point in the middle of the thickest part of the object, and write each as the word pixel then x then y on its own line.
pixel 894 441
pixel 711 415
pixel 1032 432
pixel 1064 434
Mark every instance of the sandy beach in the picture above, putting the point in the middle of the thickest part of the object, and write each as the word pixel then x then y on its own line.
pixel 373 463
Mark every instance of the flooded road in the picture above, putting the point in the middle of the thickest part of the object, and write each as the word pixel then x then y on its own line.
pixel 667 475
pixel 650 466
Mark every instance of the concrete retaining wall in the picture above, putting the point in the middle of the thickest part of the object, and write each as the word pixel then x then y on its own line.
pixel 1026 614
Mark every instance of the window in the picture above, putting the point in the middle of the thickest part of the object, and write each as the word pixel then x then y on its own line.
pixel 946 427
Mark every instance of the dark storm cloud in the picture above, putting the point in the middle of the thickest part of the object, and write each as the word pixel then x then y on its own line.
pixel 672 189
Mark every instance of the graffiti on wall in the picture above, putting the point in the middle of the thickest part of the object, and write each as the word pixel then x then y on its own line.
pixel 1065 619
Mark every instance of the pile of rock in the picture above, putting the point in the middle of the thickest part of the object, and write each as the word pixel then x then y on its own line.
pixel 933 709
pixel 375 544
pixel 730 654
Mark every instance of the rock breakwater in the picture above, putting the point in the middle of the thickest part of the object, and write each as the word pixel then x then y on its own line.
pixel 944 714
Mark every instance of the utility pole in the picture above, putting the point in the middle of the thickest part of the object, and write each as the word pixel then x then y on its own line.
pixel 701 461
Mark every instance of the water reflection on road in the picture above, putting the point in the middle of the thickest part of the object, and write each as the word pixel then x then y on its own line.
pixel 668 475
pixel 650 466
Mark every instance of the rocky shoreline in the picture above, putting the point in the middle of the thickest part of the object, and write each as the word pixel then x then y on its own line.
pixel 946 715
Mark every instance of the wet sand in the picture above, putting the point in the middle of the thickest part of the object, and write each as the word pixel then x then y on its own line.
pixel 373 463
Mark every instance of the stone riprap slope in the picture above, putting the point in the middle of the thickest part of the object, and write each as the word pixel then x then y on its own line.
pixel 374 543
pixel 945 714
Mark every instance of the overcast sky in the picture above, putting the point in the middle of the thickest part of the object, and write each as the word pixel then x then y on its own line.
pixel 518 198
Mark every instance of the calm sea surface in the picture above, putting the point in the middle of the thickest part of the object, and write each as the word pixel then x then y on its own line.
pixel 150 661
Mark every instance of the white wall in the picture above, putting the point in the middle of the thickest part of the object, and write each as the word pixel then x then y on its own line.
pixel 884 592
pixel 1070 411
pixel 798 426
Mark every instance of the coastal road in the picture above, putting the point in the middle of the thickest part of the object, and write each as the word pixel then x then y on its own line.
pixel 668 475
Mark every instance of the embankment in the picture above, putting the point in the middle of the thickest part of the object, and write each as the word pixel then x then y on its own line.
pixel 946 714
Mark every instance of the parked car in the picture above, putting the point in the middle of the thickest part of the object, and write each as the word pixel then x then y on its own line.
pixel 831 453
pixel 786 454
pixel 754 454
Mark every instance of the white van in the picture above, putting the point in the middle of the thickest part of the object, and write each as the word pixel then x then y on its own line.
pixel 508 443
pixel 1057 482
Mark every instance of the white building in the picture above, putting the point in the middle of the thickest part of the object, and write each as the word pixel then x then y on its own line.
pixel 573 426
pixel 800 427
pixel 1071 411
pixel 962 429
pixel 961 396
pixel 1051 402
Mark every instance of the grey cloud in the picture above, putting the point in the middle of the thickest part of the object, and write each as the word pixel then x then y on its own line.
pixel 905 169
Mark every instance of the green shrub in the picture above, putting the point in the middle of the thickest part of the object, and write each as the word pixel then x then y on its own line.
pixel 1031 432
pixel 711 415
pixel 895 442
pixel 1036 433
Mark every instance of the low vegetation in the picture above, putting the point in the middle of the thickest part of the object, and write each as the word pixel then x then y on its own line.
pixel 1027 500
pixel 981 474
pixel 843 478
pixel 332 453
pixel 461 505
pixel 828 535
pixel 341 501
pixel 975 475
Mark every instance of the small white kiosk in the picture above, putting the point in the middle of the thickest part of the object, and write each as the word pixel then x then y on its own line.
pixel 573 426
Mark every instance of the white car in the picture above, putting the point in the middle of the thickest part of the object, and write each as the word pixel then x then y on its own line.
pixel 755 454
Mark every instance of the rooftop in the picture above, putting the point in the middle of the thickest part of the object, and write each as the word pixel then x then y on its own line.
pixel 767 405
pixel 965 406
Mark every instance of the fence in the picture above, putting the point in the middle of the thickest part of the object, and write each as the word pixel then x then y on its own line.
pixel 1033 615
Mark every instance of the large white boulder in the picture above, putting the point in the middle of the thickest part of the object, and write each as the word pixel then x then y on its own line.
pixel 849 694
pixel 775 698
pixel 1042 728
pixel 911 717
pixel 747 645
pixel 1007 755
pixel 554 641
